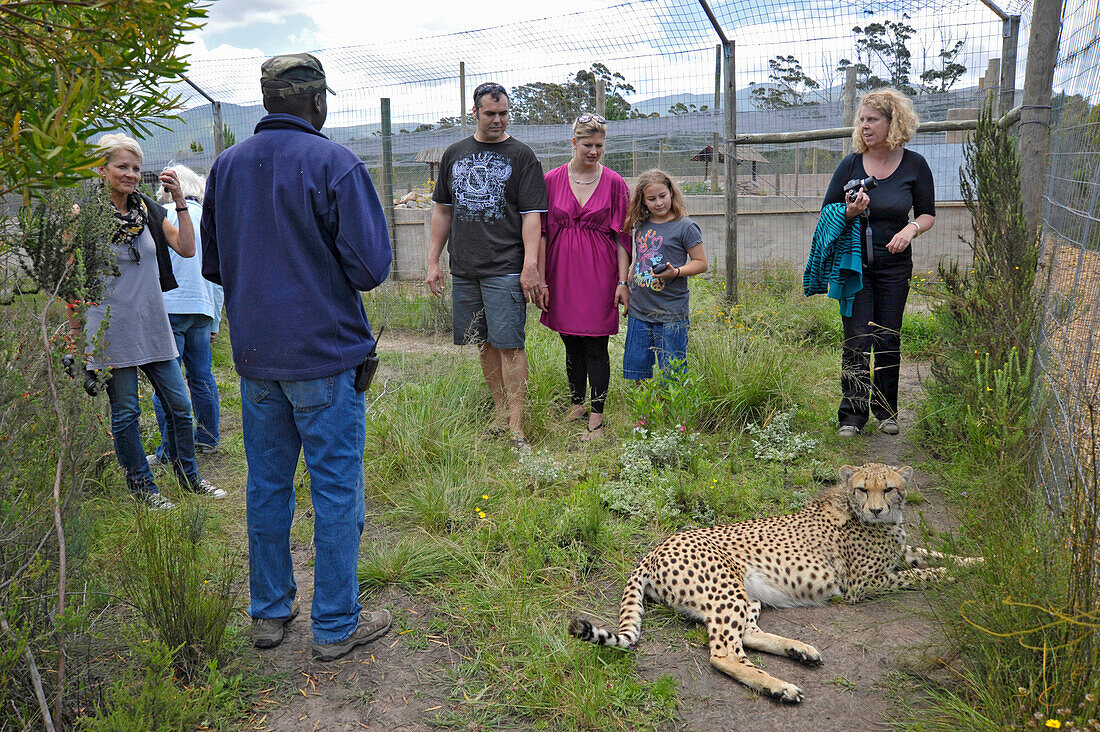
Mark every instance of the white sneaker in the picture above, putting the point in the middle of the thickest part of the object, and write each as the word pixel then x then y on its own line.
pixel 154 461
pixel 208 489
pixel 156 502
pixel 848 430
pixel 889 426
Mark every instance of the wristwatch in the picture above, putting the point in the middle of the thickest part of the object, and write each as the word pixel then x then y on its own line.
pixel 624 282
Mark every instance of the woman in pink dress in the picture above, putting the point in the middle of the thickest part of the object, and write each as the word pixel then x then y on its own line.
pixel 584 260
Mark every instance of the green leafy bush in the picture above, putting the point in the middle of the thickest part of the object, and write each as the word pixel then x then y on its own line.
pixel 183 587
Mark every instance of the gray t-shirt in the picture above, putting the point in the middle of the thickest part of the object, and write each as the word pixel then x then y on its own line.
pixel 652 299
pixel 137 331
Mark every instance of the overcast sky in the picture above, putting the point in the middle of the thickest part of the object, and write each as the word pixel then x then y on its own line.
pixel 237 28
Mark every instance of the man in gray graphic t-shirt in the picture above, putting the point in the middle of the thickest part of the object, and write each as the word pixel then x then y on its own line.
pixel 488 205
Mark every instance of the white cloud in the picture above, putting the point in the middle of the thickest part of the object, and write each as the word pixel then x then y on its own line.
pixel 227 15
pixel 197 49
pixel 338 23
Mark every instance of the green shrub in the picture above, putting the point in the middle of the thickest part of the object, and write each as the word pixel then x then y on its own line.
pixel 149 698
pixel 184 588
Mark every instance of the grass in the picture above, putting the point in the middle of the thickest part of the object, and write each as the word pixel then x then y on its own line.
pixel 501 549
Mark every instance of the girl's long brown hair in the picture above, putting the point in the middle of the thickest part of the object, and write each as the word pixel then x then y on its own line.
pixel 638 213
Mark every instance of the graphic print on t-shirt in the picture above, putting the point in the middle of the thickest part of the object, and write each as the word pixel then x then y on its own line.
pixel 648 248
pixel 478 182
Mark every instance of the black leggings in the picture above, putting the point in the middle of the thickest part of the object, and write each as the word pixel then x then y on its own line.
pixel 587 362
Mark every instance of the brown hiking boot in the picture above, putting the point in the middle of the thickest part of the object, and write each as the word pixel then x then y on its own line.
pixel 268 632
pixel 372 626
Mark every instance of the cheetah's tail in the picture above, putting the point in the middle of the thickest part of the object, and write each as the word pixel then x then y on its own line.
pixel 630 617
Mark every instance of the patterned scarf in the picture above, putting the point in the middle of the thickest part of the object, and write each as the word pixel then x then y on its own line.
pixel 132 222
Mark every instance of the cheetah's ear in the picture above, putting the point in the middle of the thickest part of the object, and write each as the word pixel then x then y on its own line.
pixel 845 472
pixel 905 472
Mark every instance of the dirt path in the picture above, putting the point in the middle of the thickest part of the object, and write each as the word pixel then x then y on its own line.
pixel 389 686
pixel 861 644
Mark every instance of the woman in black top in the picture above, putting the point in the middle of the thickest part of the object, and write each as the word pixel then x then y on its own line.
pixel 886 121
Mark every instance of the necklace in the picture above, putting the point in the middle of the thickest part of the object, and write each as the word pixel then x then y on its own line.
pixel 584 182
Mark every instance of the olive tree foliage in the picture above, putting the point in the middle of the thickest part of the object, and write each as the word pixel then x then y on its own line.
pixel 70 69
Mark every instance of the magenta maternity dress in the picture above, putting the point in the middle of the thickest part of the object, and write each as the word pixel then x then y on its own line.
pixel 582 267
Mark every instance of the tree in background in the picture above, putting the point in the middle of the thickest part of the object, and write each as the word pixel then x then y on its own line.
pixel 883 44
pixel 939 79
pixel 680 108
pixel 70 70
pixel 788 85
pixel 74 69
pixel 542 103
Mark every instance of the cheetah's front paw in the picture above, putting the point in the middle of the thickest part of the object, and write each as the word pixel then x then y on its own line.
pixel 785 692
pixel 805 654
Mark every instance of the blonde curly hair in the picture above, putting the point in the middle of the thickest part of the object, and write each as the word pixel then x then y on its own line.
pixel 897 108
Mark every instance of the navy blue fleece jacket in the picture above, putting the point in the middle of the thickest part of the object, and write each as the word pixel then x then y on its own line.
pixel 292 228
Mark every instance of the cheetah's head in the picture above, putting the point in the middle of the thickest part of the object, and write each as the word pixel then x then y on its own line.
pixel 876 492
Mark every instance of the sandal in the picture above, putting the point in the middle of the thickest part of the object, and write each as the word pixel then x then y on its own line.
pixel 520 444
pixel 582 417
pixel 593 433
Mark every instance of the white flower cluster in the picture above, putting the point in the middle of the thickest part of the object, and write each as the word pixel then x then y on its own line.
pixel 774 441
pixel 646 483
pixel 542 468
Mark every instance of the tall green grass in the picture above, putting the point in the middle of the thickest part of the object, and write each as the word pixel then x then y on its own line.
pixel 1025 627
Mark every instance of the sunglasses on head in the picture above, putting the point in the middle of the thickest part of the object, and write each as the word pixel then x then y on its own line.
pixel 589 117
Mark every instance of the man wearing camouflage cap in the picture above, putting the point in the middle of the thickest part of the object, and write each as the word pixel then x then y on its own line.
pixel 292 228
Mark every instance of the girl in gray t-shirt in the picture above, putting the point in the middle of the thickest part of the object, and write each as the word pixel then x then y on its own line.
pixel 668 248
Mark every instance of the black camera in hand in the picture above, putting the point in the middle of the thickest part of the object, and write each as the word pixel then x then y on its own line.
pixel 660 267
pixel 851 188
pixel 91 383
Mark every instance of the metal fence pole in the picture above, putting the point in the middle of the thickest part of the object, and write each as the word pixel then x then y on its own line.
pixel 1046 24
pixel 387 172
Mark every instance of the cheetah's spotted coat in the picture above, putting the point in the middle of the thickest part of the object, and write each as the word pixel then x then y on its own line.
pixel 848 542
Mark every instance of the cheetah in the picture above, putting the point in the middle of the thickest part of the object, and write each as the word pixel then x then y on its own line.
pixel 848 542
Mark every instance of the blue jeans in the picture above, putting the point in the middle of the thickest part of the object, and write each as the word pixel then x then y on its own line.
pixel 192 334
pixel 327 420
pixel 122 391
pixel 647 341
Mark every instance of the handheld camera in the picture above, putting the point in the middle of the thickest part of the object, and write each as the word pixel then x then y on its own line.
pixel 660 267
pixel 851 188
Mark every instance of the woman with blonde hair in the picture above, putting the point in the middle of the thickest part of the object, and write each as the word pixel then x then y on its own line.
pixel 583 261
pixel 885 122
pixel 129 329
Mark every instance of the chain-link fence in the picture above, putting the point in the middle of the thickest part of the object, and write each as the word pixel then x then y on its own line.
pixel 1070 364
pixel 659 71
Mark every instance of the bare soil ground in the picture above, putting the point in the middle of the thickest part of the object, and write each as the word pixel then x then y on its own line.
pixel 390 686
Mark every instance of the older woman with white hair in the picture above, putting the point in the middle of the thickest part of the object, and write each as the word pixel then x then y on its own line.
pixel 129 328
pixel 194 310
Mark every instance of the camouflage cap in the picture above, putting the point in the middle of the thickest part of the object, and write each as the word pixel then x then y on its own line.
pixel 292 73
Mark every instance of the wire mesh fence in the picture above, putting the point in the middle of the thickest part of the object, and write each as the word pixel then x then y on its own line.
pixel 1070 364
pixel 659 70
